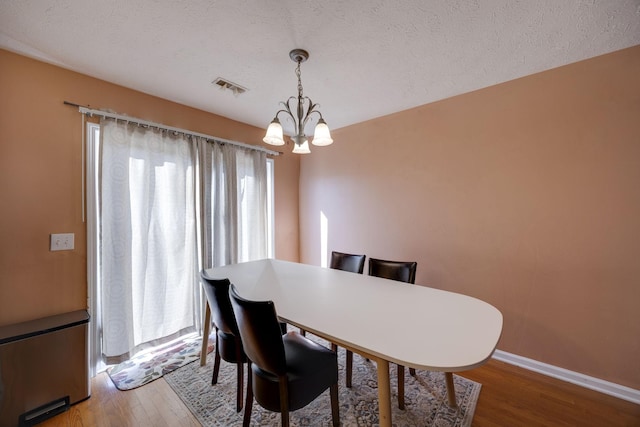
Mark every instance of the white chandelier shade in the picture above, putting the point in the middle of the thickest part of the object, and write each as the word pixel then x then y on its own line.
pixel 274 134
pixel 322 136
pixel 301 148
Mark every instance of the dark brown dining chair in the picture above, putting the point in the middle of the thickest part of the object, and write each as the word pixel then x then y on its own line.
pixel 347 262
pixel 228 341
pixel 286 372
pixel 403 272
pixel 354 264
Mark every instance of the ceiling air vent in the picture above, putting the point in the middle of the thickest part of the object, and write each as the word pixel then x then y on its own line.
pixel 227 85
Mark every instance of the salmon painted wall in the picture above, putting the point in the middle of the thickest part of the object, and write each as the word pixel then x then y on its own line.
pixel 525 195
pixel 41 179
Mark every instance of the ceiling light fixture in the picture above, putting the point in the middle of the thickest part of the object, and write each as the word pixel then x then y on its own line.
pixel 321 135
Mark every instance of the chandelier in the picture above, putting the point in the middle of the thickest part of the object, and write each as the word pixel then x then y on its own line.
pixel 303 112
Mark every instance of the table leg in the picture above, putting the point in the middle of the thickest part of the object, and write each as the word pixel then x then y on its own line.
pixel 384 393
pixel 206 329
pixel 451 391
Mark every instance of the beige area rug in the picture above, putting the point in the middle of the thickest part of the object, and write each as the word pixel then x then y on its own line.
pixel 425 398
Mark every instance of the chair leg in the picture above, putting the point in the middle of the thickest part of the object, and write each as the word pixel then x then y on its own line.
pixel 400 386
pixel 240 367
pixel 349 363
pixel 246 420
pixel 412 372
pixel 284 400
pixel 239 387
pixel 335 407
pixel 284 419
pixel 216 366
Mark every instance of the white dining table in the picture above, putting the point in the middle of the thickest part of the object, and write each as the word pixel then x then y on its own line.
pixel 384 320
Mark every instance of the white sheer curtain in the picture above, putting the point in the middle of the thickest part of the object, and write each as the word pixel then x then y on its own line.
pixel 234 196
pixel 149 263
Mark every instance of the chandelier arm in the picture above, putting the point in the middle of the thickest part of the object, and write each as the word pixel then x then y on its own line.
pixel 301 118
pixel 287 106
pixel 310 111
pixel 304 117
pixel 284 111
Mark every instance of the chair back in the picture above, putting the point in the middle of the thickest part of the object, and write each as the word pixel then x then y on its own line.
pixel 395 270
pixel 217 291
pixel 260 333
pixel 347 262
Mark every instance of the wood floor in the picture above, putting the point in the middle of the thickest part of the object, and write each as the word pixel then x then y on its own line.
pixel 513 396
pixel 510 396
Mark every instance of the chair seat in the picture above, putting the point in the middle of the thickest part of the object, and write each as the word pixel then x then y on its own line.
pixel 311 369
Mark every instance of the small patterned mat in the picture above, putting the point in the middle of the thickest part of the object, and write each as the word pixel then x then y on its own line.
pixel 151 365
pixel 425 398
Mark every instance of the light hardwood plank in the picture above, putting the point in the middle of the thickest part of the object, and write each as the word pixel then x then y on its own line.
pixel 155 405
pixel 514 396
pixel 510 396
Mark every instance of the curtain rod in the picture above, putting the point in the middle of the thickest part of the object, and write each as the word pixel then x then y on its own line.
pixel 100 113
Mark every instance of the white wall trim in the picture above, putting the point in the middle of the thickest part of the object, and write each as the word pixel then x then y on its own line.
pixel 577 378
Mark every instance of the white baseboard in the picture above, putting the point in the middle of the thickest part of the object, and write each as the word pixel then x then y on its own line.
pixel 577 378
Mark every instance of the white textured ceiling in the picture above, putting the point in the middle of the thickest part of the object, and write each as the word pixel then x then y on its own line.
pixel 368 58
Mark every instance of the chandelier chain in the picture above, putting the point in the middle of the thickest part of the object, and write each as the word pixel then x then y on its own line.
pixel 298 73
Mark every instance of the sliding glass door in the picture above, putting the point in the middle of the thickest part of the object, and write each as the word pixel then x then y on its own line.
pixel 160 207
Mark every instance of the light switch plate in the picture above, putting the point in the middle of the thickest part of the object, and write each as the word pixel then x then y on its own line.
pixel 62 242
